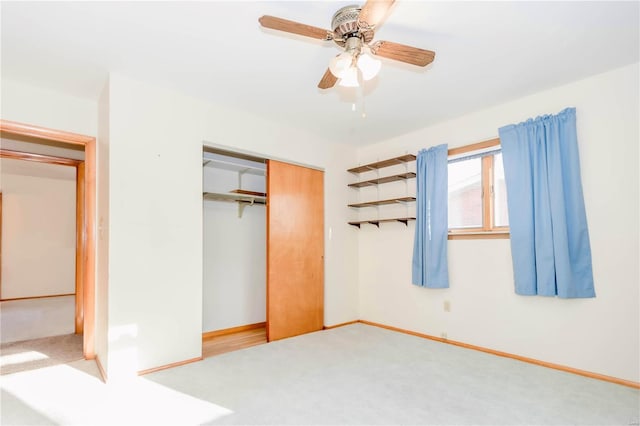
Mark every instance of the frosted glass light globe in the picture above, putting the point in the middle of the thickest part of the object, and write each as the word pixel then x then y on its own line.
pixel 350 78
pixel 369 66
pixel 340 64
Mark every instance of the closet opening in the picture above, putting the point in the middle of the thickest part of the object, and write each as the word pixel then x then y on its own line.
pixel 263 248
pixel 234 247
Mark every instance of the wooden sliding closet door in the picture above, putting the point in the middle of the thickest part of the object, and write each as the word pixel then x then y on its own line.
pixel 295 250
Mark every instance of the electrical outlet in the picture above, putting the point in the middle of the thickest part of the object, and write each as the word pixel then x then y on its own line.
pixel 443 335
pixel 447 306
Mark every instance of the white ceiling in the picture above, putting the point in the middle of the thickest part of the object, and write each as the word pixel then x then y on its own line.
pixel 486 53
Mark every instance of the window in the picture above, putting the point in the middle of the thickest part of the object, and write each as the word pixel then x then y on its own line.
pixel 477 192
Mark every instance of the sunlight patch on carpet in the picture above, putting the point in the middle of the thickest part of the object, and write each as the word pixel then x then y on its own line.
pixel 53 350
pixel 21 357
pixel 71 397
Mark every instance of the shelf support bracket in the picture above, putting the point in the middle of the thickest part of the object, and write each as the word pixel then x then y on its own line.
pixel 242 205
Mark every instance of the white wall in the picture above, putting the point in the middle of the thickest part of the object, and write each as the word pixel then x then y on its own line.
pixel 154 227
pixel 38 229
pixel 102 231
pixel 234 274
pixel 600 335
pixel 47 108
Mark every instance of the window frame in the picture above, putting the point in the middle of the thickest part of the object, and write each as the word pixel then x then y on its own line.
pixel 488 230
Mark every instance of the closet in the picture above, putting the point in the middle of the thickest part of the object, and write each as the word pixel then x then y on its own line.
pixel 234 217
pixel 263 245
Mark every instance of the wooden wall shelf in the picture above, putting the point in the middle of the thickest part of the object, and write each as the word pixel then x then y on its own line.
pixel 403 159
pixel 384 163
pixel 377 222
pixel 387 179
pixel 383 202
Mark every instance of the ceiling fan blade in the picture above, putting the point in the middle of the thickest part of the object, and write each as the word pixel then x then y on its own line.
pixel 403 53
pixel 374 11
pixel 328 80
pixel 294 27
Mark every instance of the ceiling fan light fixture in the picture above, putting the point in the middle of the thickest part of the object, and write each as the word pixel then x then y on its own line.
pixel 340 64
pixel 353 28
pixel 369 66
pixel 350 78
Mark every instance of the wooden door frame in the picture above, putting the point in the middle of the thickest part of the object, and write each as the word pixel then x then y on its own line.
pixel 86 242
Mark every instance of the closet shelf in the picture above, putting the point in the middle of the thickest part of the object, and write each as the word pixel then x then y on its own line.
pixel 386 179
pixel 377 222
pixel 383 202
pixel 384 163
pixel 234 167
pixel 236 197
pixel 245 192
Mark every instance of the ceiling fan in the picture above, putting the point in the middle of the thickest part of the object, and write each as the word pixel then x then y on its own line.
pixel 353 28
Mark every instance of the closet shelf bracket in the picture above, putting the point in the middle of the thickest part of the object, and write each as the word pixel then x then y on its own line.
pixel 242 205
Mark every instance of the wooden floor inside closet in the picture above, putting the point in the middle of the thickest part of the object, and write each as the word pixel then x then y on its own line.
pixel 216 345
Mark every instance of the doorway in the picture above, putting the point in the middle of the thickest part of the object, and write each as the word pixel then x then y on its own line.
pixel 85 234
pixel 39 278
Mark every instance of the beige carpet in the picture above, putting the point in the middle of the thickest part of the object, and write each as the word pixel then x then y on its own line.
pixel 352 375
pixel 38 353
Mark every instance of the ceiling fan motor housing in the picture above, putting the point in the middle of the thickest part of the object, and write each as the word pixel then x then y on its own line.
pixel 345 25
